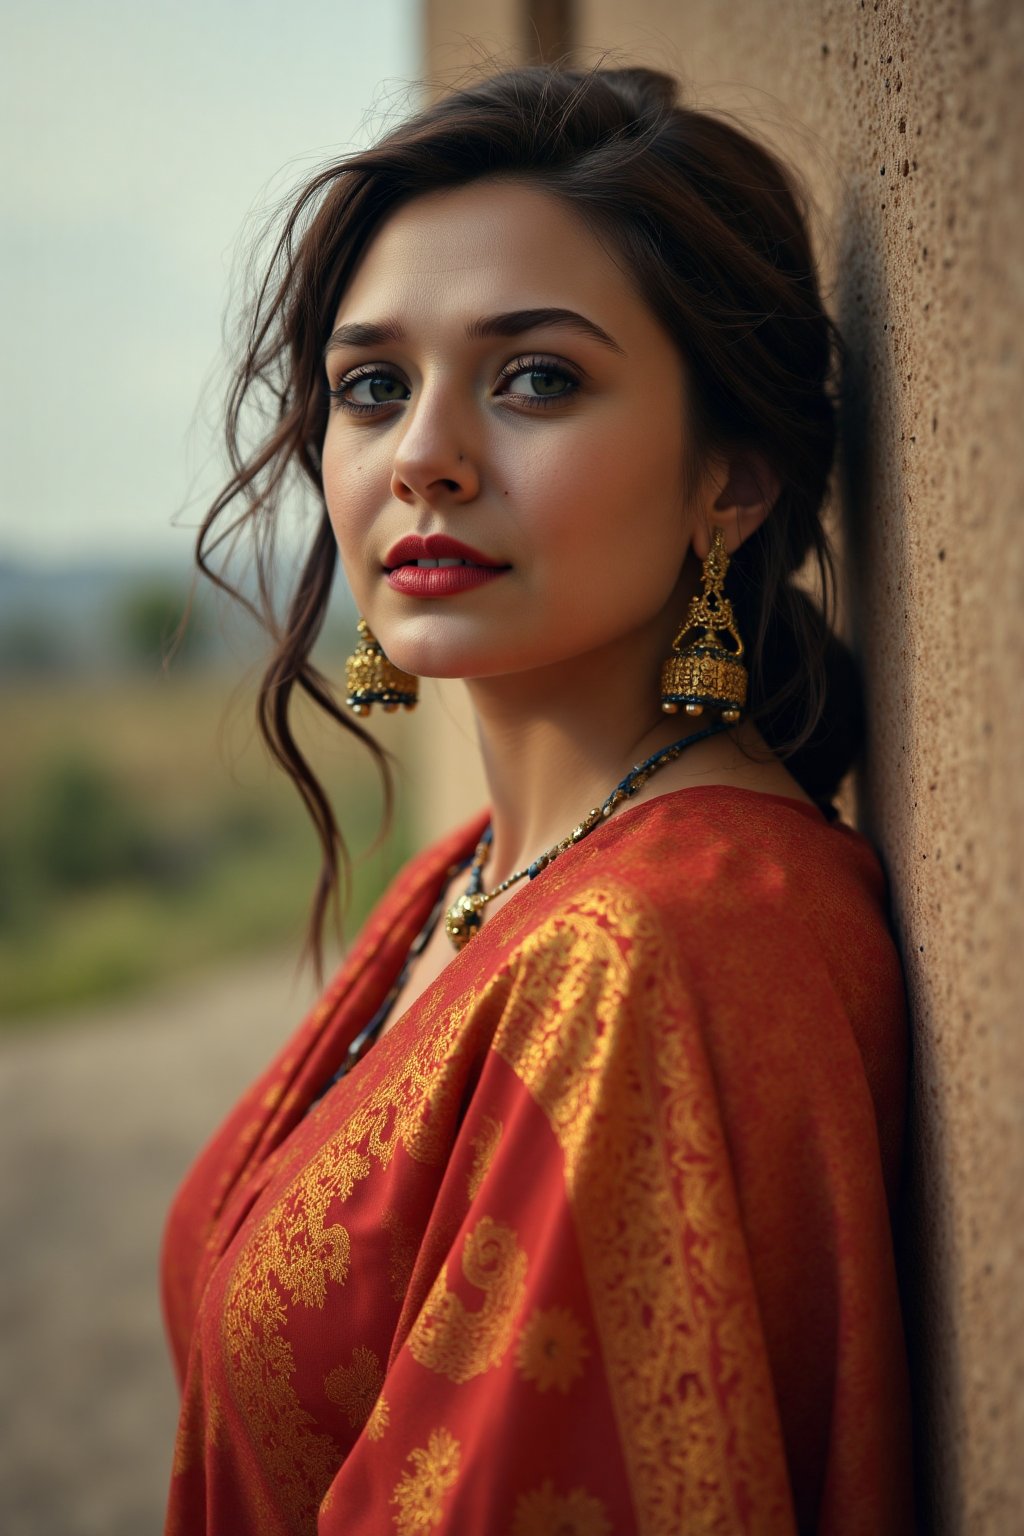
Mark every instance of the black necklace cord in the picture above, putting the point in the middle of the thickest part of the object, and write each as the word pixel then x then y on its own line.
pixel 368 1034
pixel 464 917
pixel 475 894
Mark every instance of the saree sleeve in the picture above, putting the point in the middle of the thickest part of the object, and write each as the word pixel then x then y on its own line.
pixel 657 1292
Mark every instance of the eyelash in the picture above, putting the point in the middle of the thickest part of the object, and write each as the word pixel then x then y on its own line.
pixel 511 370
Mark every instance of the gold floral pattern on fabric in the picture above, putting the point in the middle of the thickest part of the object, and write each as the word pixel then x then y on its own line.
pixel 660 1236
pixel 460 1343
pixel 421 1489
pixel 552 1349
pixel 547 1513
pixel 380 1418
pixel 485 1145
pixel 356 1387
pixel 296 1251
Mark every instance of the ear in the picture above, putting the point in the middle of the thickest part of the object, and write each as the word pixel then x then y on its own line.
pixel 741 504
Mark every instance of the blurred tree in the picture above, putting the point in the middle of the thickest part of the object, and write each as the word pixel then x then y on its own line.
pixel 31 646
pixel 146 622
pixel 80 829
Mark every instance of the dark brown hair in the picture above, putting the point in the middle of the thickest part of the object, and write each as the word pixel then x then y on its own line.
pixel 712 230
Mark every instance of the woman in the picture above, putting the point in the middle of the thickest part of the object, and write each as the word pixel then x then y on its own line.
pixel 569 1207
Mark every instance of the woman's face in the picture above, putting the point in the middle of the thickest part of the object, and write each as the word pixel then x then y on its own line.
pixel 499 383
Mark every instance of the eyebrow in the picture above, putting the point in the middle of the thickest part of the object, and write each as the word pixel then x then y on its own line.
pixel 513 323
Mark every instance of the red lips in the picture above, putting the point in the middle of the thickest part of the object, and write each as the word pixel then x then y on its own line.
pixel 436 546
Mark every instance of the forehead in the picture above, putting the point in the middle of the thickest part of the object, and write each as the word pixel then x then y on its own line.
pixel 491 245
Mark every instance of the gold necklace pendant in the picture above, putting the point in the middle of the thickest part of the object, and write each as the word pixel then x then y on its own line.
pixel 463 918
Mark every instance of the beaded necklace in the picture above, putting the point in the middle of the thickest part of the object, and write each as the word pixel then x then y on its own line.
pixel 464 915
pixel 463 918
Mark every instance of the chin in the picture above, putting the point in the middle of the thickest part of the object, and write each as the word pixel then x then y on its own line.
pixel 434 657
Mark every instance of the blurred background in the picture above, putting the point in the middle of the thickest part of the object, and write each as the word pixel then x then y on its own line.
pixel 155 871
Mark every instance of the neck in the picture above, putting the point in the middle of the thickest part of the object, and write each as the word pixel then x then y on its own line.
pixel 555 743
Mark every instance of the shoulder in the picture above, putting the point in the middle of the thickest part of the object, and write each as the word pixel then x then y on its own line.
pixel 708 862
pixel 742 921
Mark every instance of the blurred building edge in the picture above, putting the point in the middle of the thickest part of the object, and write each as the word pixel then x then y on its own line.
pixel 459 35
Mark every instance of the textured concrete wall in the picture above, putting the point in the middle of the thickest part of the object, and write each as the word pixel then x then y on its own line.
pixel 906 123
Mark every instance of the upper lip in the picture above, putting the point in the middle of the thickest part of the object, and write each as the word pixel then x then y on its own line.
pixel 436 546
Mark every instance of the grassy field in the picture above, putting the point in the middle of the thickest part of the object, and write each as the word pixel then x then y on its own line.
pixel 143 834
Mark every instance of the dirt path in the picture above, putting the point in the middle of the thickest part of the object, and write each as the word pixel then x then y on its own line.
pixel 100 1115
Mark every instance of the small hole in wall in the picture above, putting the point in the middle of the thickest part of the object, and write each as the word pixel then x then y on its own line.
pixel 942 554
pixel 906 167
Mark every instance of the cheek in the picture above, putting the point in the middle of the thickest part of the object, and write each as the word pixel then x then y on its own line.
pixel 608 505
pixel 348 482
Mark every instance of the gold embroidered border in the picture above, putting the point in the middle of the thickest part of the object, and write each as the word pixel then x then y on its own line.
pixel 295 1253
pixel 648 1178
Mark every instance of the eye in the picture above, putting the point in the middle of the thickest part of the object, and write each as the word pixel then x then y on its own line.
pixel 538 381
pixel 368 389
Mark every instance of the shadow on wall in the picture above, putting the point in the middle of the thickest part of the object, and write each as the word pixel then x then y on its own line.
pixel 876 556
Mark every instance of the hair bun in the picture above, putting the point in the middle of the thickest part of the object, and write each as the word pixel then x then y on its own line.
pixel 645 90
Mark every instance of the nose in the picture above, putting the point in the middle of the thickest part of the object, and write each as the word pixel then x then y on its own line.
pixel 435 462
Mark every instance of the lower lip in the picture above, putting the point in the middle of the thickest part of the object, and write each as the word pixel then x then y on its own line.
pixel 441 580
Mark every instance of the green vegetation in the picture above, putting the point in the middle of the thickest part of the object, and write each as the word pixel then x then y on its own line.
pixel 143 833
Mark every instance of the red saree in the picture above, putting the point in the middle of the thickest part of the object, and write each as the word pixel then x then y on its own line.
pixel 596 1240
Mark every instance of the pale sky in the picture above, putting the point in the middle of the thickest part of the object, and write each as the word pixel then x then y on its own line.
pixel 139 138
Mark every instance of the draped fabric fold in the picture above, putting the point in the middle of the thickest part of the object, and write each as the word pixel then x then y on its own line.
pixel 597 1239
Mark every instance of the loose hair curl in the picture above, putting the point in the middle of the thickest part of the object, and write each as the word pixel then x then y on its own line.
pixel 711 229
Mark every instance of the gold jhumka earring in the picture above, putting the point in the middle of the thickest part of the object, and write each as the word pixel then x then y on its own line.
pixel 372 679
pixel 707 674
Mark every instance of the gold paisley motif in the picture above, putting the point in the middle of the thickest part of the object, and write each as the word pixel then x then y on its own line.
pixel 547 1513
pixel 634 1110
pixel 380 1418
pixel 356 1387
pixel 296 1252
pixel 456 1342
pixel 484 1144
pixel 551 1349
pixel 420 1491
